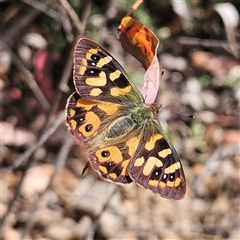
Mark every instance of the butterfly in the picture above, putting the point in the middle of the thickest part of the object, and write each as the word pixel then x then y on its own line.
pixel 123 138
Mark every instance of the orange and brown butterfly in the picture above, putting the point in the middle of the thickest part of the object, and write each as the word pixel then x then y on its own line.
pixel 124 140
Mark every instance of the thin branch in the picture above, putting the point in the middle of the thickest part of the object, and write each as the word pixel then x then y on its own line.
pixel 224 44
pixel 63 87
pixel 72 15
pixel 38 144
pixel 85 15
pixel 29 78
pixel 59 165
pixel 93 228
pixel 134 7
pixel 212 165
pixel 19 24
pixel 66 23
pixel 27 155
pixel 41 6
pixel 207 43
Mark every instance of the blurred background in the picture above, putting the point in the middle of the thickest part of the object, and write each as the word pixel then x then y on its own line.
pixel 43 192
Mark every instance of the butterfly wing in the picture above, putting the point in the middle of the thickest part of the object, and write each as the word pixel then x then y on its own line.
pixel 111 137
pixel 156 164
pixel 88 121
pixel 99 77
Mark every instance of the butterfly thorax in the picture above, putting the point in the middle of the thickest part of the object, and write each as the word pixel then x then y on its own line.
pixel 140 114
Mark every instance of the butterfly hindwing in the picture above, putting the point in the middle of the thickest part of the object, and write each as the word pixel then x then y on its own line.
pixel 156 164
pixel 91 123
pixel 111 162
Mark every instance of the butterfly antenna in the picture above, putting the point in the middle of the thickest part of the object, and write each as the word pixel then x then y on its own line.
pixel 184 114
pixel 161 106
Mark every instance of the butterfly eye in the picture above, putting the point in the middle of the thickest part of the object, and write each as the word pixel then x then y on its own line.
pixel 89 128
pixel 105 153
pixel 95 57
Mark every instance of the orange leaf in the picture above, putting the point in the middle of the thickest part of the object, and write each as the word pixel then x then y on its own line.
pixel 142 44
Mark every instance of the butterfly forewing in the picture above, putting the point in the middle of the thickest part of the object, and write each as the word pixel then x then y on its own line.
pixel 99 77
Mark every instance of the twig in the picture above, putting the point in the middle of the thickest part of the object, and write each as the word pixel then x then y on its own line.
pixel 29 78
pixel 62 87
pixel 134 7
pixel 85 14
pixel 92 229
pixel 60 163
pixel 19 24
pixel 16 193
pixel 198 42
pixel 212 164
pixel 72 15
pixel 38 144
pixel 66 23
pixel 206 43
pixel 25 156
pixel 41 6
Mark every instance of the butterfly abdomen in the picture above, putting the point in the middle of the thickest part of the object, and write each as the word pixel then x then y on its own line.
pixel 123 125
pixel 120 127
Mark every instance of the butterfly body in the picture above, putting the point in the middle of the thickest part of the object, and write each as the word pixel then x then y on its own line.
pixel 124 140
